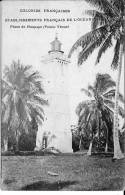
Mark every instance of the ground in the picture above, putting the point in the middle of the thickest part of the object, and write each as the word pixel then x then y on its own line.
pixel 75 172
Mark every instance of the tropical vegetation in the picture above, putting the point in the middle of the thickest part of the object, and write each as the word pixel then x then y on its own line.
pixel 96 115
pixel 22 101
pixel 108 29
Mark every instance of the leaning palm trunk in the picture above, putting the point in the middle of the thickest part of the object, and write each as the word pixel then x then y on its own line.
pixel 89 153
pixel 106 147
pixel 117 150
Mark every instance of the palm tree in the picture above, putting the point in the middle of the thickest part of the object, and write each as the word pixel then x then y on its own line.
pixel 87 113
pixel 22 98
pixel 108 24
pixel 100 105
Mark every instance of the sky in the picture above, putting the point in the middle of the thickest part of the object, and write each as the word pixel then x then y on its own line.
pixel 31 44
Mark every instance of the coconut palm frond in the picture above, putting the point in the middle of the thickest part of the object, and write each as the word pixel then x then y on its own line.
pixel 80 106
pixel 84 105
pixel 31 105
pixel 39 121
pixel 103 82
pixel 38 87
pixel 9 75
pixel 111 105
pixel 38 100
pixel 6 115
pixel 107 113
pixel 84 115
pixel 8 111
pixel 85 111
pixel 87 51
pixel 40 109
pixel 33 81
pixel 88 39
pixel 99 18
pixel 5 84
pixel 39 115
pixel 5 93
pixel 115 60
pixel 118 4
pixel 105 6
pixel 26 68
pixel 85 118
pixel 35 112
pixel 84 54
pixel 81 122
pixel 28 114
pixel 6 89
pixel 34 76
pixel 111 94
pixel 105 45
pixel 108 85
pixel 88 120
pixel 109 109
pixel 86 92
pixel 91 89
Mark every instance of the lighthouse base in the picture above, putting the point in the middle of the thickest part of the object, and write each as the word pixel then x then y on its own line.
pixel 60 141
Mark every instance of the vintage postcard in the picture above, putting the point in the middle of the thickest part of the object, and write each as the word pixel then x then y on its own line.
pixel 62 95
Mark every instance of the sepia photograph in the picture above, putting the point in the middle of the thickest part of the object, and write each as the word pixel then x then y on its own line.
pixel 62 95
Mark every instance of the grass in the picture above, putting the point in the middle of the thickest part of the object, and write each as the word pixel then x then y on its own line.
pixel 75 172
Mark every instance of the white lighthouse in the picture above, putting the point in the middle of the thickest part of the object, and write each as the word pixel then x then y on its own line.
pixel 55 131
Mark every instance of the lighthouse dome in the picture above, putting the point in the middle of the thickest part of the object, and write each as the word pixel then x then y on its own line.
pixel 56 45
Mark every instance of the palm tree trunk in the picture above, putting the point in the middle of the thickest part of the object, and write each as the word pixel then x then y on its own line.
pixel 106 146
pixel 80 142
pixel 89 153
pixel 17 140
pixel 117 150
pixel 98 130
pixel 5 144
pixel 5 141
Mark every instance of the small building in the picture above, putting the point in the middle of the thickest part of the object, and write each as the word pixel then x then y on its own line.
pixel 55 131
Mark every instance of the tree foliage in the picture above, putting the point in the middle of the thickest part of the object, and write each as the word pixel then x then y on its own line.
pixel 22 97
pixel 96 115
pixel 107 25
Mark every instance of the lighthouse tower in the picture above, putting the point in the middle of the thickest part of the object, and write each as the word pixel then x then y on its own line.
pixel 55 131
